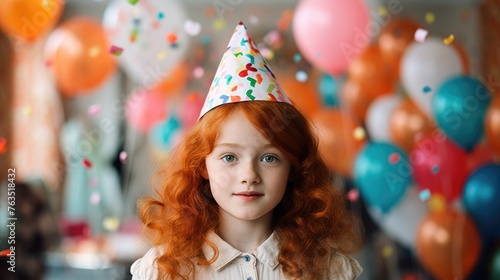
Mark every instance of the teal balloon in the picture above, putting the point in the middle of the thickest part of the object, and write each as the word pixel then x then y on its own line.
pixel 459 107
pixel 163 134
pixel 481 197
pixel 495 265
pixel 328 89
pixel 382 173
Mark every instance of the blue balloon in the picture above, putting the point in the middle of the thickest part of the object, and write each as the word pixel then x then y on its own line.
pixel 163 134
pixel 459 108
pixel 328 88
pixel 382 173
pixel 481 197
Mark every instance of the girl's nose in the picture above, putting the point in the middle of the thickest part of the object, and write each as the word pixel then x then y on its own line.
pixel 249 174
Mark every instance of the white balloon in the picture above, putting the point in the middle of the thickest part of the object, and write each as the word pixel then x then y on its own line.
pixel 402 221
pixel 149 58
pixel 377 117
pixel 424 67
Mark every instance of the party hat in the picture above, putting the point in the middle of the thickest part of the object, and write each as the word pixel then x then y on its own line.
pixel 243 75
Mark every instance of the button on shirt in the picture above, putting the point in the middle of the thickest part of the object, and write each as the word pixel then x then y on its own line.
pixel 235 265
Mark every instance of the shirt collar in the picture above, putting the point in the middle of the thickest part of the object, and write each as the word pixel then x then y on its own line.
pixel 267 252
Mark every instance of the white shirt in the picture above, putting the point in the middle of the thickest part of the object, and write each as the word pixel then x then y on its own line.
pixel 235 265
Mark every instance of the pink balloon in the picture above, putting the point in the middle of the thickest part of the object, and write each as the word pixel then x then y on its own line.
pixel 191 108
pixel 143 109
pixel 329 33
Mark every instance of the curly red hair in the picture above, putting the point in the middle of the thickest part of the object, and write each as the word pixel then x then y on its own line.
pixel 309 222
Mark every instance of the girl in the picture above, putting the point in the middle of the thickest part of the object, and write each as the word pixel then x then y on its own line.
pixel 246 195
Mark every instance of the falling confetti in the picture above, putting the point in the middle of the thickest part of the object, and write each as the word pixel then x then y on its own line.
pixel 3 145
pixel 394 158
pixel 133 35
pixel 297 57
pixel 382 11
pixel 253 20
pixel 161 55
pixel 27 110
pixel 436 203
pixel 429 17
pixel 387 251
pixel 219 24
pixel 359 133
pixel 267 53
pixel 95 197
pixel 116 51
pixel 420 35
pixel 192 28
pixel 86 162
pixel 426 89
pixel 133 2
pixel 435 169
pixel 4 253
pixel 94 110
pixel 424 195
pixel 198 72
pixel 123 157
pixel 93 182
pixel 448 40
pixel 160 15
pixel 111 223
pixel 301 76
pixel 172 38
pixel 353 195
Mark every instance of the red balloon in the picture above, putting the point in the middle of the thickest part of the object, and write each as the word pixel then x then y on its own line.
pixel 440 166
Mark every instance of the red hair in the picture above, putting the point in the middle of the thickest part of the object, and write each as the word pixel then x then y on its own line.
pixel 310 221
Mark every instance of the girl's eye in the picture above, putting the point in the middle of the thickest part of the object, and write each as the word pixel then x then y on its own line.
pixel 228 158
pixel 269 158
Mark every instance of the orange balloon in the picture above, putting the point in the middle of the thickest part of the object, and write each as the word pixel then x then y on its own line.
pixel 408 124
pixel 481 154
pixel 340 139
pixel 174 81
pixel 464 56
pixel 80 54
pixel 29 19
pixel 372 72
pixel 357 98
pixel 448 244
pixel 492 125
pixel 394 39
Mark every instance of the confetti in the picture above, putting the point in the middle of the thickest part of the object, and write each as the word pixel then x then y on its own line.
pixel 301 76
pixel 359 133
pixel 161 55
pixel 27 110
pixel 436 203
pixel 253 20
pixel 133 2
pixel 3 145
pixel 133 35
pixel 111 223
pixel 382 11
pixel 116 51
pixel 448 40
pixel 424 195
pixel 93 182
pixel 123 157
pixel 86 162
pixel 353 195
pixel 394 158
pixel 94 110
pixel 435 169
pixel 297 57
pixel 219 24
pixel 94 51
pixel 95 197
pixel 172 38
pixel 160 15
pixel 198 72
pixel 420 35
pixel 429 17
pixel 387 251
pixel 267 53
pixel 4 253
pixel 206 40
pixel 192 28
pixel 426 89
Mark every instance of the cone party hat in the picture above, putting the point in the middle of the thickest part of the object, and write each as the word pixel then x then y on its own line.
pixel 243 75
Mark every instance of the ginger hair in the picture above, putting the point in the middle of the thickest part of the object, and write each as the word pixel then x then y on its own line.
pixel 309 222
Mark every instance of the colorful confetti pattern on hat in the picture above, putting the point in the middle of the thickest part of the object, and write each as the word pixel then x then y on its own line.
pixel 243 75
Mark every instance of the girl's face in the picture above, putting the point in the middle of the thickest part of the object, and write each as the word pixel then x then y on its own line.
pixel 248 176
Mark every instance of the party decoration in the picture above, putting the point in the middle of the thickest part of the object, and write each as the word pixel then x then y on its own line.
pixel 495 265
pixel 381 183
pixel 464 56
pixel 303 95
pixel 173 82
pixel 481 198
pixel 29 19
pixel 492 125
pixel 355 99
pixel 408 123
pixel 482 154
pixel 143 109
pixel 190 109
pixel 337 144
pixel 79 51
pixel 440 166
pixel 313 24
pixel 448 244
pixel 428 64
pixel 329 90
pixel 395 37
pixel 459 108
pixel 378 115
pixel 420 35
pixel 165 134
pixel 153 46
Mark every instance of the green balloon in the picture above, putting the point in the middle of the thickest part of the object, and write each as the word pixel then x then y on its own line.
pixel 495 266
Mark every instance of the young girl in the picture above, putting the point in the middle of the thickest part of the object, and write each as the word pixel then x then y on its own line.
pixel 246 195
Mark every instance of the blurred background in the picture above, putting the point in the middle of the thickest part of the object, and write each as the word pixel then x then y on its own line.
pixel 403 95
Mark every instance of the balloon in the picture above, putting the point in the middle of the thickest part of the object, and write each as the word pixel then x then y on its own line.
pixel 304 95
pixel 356 99
pixel 372 72
pixel 174 82
pixel 495 265
pixel 492 125
pixel 329 90
pixel 377 117
pixel 402 221
pixel 152 35
pixel 482 154
pixel 481 199
pixel 165 134
pixel 464 56
pixel 408 123
pixel 79 52
pixel 145 109
pixel 29 19
pixel 329 33
pixel 439 166
pixel 459 108
pixel 448 244
pixel 190 109
pixel 393 40
pixel 424 67
pixel 338 144
pixel 382 173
